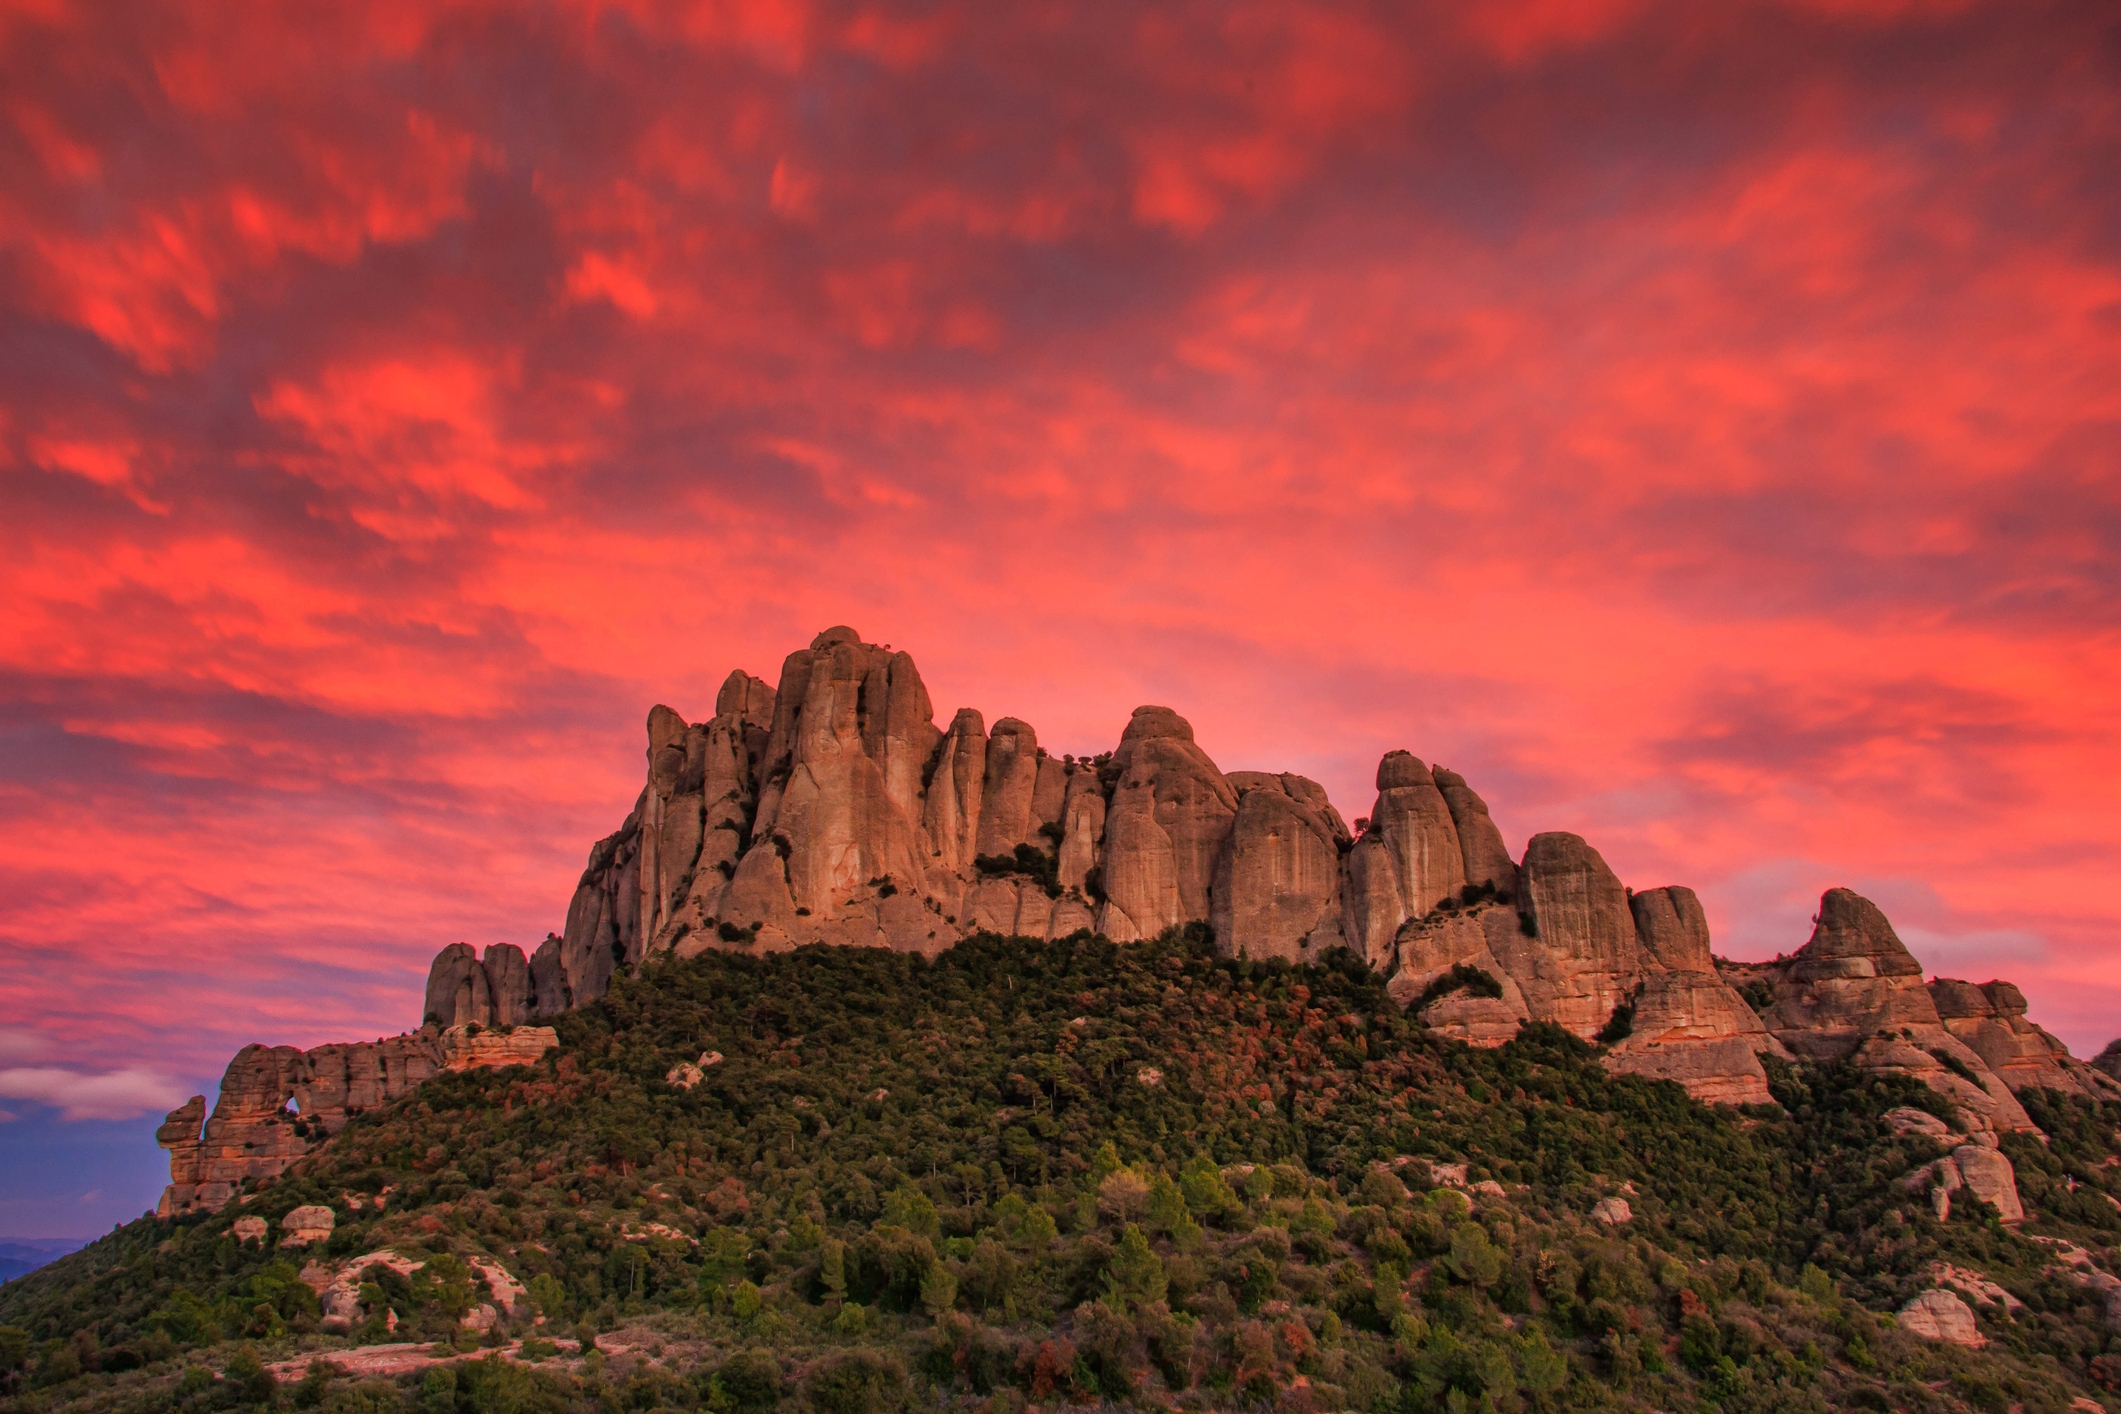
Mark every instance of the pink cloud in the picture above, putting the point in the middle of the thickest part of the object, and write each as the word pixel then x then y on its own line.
pixel 1696 427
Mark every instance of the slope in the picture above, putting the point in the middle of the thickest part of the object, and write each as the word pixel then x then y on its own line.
pixel 844 1178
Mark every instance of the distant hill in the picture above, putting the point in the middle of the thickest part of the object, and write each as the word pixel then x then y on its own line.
pixel 19 1256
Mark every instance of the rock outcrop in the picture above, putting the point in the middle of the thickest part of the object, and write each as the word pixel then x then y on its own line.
pixel 1990 1020
pixel 1487 859
pixel 1446 967
pixel 1686 1023
pixel 831 808
pixel 1407 862
pixel 1854 992
pixel 463 990
pixel 2108 1061
pixel 1937 1314
pixel 1277 876
pixel 1169 811
pixel 1977 1169
pixel 1577 957
pixel 277 1102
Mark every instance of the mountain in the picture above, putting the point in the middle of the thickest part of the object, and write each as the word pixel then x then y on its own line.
pixel 881 1065
pixel 21 1256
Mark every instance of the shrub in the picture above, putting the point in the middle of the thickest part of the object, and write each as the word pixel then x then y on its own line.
pixel 1463 977
pixel 858 1382
pixel 752 1379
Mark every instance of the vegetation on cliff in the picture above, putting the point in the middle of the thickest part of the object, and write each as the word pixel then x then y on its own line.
pixel 1069 1172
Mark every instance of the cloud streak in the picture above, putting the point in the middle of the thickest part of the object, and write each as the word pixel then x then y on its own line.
pixel 117 1094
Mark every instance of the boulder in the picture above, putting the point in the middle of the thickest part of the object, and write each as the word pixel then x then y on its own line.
pixel 1612 1212
pixel 310 1223
pixel 1908 1120
pixel 1939 1315
pixel 1276 891
pixel 1988 1175
pixel 1169 813
pixel 248 1229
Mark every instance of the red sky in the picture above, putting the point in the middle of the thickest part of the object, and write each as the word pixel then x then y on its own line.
pixel 1696 423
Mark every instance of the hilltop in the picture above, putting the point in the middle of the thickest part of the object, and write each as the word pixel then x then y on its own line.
pixel 881 1064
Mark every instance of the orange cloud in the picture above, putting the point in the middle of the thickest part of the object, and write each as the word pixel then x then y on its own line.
pixel 1695 425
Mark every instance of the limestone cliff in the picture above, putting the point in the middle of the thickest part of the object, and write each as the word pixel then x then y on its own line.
pixel 831 808
pixel 276 1102
pixel 858 820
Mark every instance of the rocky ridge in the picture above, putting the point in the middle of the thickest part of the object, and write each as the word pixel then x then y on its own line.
pixel 831 809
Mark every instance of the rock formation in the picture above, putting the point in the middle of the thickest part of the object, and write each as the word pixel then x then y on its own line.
pixel 276 1102
pixel 1169 811
pixel 1854 992
pixel 858 820
pixel 1407 862
pixel 1990 1020
pixel 1937 1314
pixel 1577 955
pixel 1686 1023
pixel 831 808
pixel 2108 1061
pixel 1277 876
pixel 462 990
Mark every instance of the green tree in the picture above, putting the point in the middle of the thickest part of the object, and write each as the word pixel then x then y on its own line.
pixel 1135 1276
pixel 832 1268
pixel 1542 1368
pixel 1205 1192
pixel 938 1290
pixel 248 1379
pixel 911 1209
pixel 1473 1258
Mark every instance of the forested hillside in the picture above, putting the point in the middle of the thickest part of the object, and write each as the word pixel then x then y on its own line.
pixel 1064 1173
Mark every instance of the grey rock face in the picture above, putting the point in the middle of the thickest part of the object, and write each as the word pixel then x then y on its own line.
pixel 1582 958
pixel 1276 891
pixel 1164 828
pixel 1487 859
pixel 456 988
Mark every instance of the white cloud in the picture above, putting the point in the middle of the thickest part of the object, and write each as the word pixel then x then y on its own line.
pixel 118 1094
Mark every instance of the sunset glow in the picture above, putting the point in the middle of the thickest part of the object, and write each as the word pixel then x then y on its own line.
pixel 1698 425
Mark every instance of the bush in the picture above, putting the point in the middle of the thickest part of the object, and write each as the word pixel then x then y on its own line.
pixel 753 1380
pixel 858 1382
pixel 248 1379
